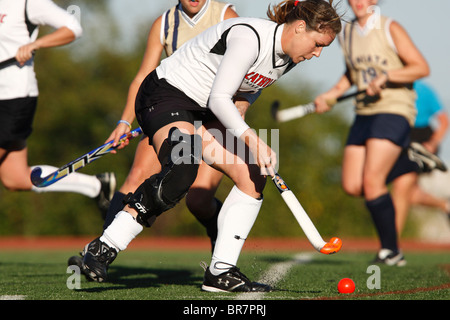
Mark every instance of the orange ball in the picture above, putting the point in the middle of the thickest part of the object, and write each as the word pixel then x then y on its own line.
pixel 346 285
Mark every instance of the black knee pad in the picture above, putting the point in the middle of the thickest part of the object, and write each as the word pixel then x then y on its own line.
pixel 180 157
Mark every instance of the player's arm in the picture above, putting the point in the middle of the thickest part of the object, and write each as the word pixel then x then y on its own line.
pixel 233 68
pixel 230 13
pixel 57 38
pixel 150 61
pixel 439 133
pixel 44 12
pixel 336 91
pixel 415 65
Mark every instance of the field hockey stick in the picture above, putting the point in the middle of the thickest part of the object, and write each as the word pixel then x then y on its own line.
pixel 80 162
pixel 304 221
pixel 7 62
pixel 12 60
pixel 303 110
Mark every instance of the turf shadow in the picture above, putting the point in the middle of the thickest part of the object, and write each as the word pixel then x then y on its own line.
pixel 120 278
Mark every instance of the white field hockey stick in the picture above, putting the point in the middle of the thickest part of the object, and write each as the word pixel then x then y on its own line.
pixel 80 162
pixel 303 219
pixel 303 110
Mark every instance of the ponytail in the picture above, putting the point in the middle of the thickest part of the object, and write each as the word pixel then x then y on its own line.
pixel 319 15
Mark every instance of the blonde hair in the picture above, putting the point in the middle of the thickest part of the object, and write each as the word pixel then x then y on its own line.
pixel 319 15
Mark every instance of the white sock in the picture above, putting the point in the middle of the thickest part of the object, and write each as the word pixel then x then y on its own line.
pixel 236 219
pixel 121 231
pixel 75 182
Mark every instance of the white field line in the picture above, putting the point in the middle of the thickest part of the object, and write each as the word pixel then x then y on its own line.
pixel 12 297
pixel 276 273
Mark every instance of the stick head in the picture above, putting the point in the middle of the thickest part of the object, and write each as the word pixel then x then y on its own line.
pixel 331 247
pixel 36 176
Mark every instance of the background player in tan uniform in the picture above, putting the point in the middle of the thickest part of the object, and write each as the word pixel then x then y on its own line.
pixel 380 57
pixel 169 32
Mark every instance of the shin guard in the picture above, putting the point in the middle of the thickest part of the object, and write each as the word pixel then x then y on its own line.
pixel 180 157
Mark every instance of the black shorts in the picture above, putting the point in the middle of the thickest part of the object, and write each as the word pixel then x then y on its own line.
pixel 402 165
pixel 16 120
pixel 382 126
pixel 158 104
pixel 421 135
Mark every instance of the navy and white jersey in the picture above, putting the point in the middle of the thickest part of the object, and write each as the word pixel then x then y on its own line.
pixel 236 56
pixel 177 27
pixel 370 51
pixel 19 21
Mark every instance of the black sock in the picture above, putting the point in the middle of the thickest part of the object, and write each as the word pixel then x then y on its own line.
pixel 383 215
pixel 114 208
pixel 211 223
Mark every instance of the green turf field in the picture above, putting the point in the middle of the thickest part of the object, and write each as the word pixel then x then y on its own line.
pixel 171 275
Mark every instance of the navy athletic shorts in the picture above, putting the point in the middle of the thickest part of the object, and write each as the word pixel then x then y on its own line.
pixel 421 135
pixel 392 127
pixel 16 120
pixel 158 104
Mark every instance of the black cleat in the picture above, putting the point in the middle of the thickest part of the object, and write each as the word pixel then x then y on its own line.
pixel 97 258
pixel 232 280
pixel 426 160
pixel 76 261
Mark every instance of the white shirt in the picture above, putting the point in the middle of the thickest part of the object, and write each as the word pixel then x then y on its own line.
pixel 17 81
pixel 237 56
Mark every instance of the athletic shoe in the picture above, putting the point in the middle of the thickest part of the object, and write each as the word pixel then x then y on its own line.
pixel 97 258
pixel 76 261
pixel 388 257
pixel 232 280
pixel 426 160
pixel 108 187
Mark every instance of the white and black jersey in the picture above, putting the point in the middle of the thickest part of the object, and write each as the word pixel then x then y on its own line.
pixel 19 22
pixel 236 56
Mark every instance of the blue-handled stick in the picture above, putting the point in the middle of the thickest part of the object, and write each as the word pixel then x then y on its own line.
pixel 80 162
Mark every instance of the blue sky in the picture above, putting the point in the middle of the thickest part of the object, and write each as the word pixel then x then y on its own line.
pixel 426 24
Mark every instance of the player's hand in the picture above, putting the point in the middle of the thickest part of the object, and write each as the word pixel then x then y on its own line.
pixel 25 53
pixel 119 131
pixel 265 157
pixel 321 103
pixel 377 85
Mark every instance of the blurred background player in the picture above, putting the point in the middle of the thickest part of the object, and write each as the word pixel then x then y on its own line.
pixel 382 59
pixel 429 130
pixel 19 95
